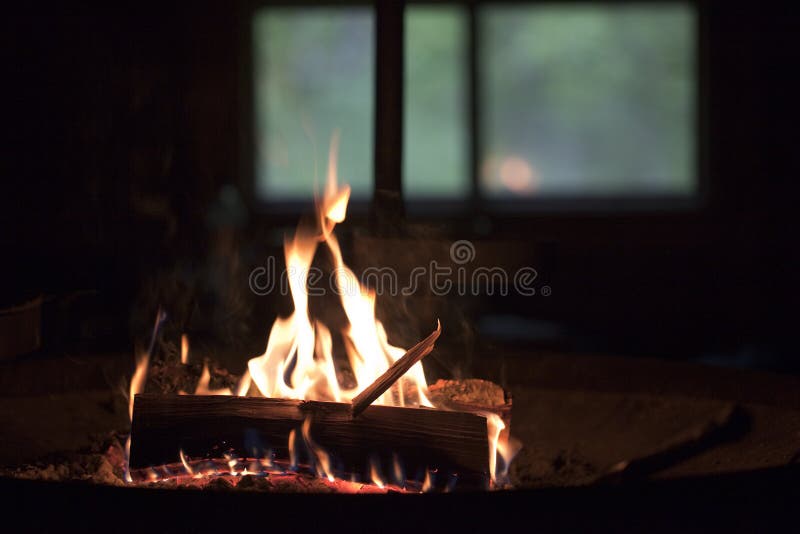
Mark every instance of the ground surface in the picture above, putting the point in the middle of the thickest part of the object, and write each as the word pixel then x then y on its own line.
pixel 576 416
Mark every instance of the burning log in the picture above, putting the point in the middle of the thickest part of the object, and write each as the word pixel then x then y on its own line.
pixel 357 438
pixel 452 443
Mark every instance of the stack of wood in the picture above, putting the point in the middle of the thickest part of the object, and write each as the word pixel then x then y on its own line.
pixel 451 442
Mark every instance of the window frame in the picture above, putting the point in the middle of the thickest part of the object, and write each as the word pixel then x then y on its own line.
pixel 460 211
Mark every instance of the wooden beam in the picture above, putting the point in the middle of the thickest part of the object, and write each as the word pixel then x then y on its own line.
pixel 389 70
pixel 208 426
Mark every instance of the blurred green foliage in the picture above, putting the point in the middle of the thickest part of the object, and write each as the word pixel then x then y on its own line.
pixel 597 99
pixel 435 158
pixel 313 73
pixel 577 99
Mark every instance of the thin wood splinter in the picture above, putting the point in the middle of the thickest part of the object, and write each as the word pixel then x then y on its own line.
pixel 393 374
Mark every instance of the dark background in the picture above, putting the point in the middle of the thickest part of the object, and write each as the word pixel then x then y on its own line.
pixel 123 123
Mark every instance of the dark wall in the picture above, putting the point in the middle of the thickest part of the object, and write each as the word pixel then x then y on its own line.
pixel 121 124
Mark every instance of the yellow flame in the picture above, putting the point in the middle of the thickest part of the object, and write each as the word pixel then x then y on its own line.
pixel 137 381
pixel 298 343
pixel 184 349
pixel 495 426
pixel 202 385
pixel 501 446
pixel 244 384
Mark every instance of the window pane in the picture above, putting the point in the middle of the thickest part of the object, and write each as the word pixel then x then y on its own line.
pixel 435 162
pixel 313 73
pixel 587 100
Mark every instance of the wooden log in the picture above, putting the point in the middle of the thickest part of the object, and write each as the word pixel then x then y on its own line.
pixel 453 443
pixel 474 395
pixel 393 373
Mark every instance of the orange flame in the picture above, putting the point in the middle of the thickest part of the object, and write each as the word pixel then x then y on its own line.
pixel 427 485
pixel 244 384
pixel 202 385
pixel 137 381
pixel 184 349
pixel 375 473
pixel 501 446
pixel 397 471
pixel 323 462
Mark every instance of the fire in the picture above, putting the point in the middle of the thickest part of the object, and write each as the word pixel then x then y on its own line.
pixel 232 463
pixel 501 446
pixel 185 463
pixel 323 459
pixel 244 385
pixel 137 381
pixel 297 340
pixel 375 473
pixel 184 349
pixel 292 448
pixel 427 484
pixel 298 361
pixel 202 385
pixel 397 471
pixel 495 426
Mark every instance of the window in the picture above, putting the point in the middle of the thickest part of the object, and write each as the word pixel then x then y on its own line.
pixel 313 70
pixel 436 125
pixel 587 100
pixel 571 100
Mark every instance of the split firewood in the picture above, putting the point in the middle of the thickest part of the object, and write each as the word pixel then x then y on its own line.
pixel 393 374
pixel 474 395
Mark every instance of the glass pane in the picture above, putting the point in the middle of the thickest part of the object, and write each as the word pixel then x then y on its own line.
pixel 435 161
pixel 313 73
pixel 587 100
